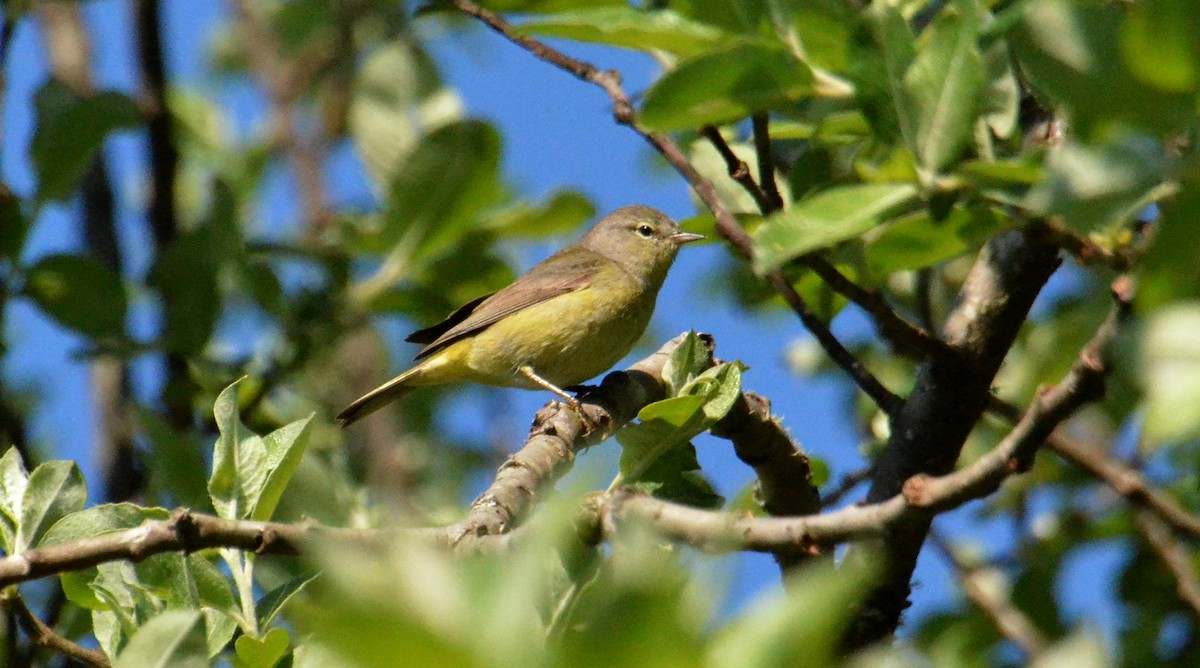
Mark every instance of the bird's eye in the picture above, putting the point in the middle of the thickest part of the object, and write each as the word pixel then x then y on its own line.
pixel 645 231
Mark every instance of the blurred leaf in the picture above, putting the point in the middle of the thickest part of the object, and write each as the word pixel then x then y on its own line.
pixel 1171 266
pixel 13 483
pixel 176 467
pixel 834 215
pixel 625 26
pixel 945 81
pixel 186 274
pixel 56 489
pixel 263 652
pixel 14 226
pixel 918 240
pixel 1170 370
pixel 1093 187
pixel 725 86
pixel 272 602
pixel 735 16
pixel 880 54
pixel 805 619
pixel 546 6
pixel 173 639
pixel 1159 43
pixel 451 175
pixel 80 293
pixel 566 210
pixel 1069 51
pixel 70 130
pixel 1002 95
pixel 390 88
pixel 1080 649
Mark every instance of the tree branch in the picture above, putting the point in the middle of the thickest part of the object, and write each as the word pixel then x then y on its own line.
pixel 556 436
pixel 164 164
pixel 761 123
pixel 1174 556
pixel 43 636
pixel 1125 480
pixel 997 606
pixel 738 169
pixel 727 226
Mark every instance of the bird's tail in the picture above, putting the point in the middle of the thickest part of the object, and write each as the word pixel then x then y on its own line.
pixel 376 398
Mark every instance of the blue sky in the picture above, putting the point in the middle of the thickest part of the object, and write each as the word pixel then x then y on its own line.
pixel 558 133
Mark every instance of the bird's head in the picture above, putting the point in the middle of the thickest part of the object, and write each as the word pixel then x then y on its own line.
pixel 643 239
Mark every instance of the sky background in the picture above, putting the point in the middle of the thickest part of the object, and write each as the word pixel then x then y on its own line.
pixel 558 133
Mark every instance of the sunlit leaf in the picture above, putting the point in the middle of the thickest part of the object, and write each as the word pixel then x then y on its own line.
pixel 625 26
pixel 829 217
pixel 726 85
pixel 1170 370
pixel 56 489
pixel 173 639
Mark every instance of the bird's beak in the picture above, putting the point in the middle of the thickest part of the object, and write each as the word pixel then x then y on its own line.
pixel 681 238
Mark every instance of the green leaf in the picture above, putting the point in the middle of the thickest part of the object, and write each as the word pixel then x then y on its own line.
pixel 173 639
pixel 545 6
pixel 176 468
pixel 13 483
pixel 685 362
pixel 274 601
pixel 238 452
pixel 804 619
pixel 263 652
pixel 14 225
pixel 70 130
pixel 250 472
pixel 918 240
pixel 880 56
pixel 56 489
pixel 451 175
pixel 80 293
pixel 566 210
pixel 1092 187
pixel 284 449
pixel 1159 43
pixel 625 26
pixel 829 217
pixel 1070 53
pixel 1002 96
pixel 1170 372
pixel 187 276
pixel 656 453
pixel 1171 267
pixel 945 81
pixel 89 523
pixel 724 86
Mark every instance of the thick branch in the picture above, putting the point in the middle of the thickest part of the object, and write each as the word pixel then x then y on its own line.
pixel 556 436
pixel 43 636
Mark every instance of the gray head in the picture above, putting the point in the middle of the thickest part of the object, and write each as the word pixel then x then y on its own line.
pixel 642 239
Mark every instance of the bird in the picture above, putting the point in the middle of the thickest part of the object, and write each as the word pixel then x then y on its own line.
pixel 568 319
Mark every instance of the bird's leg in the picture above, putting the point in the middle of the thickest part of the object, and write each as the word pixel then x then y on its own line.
pixel 529 373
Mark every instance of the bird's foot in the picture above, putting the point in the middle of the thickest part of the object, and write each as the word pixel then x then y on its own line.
pixel 589 425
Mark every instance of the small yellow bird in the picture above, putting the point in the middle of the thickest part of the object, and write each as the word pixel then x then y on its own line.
pixel 568 319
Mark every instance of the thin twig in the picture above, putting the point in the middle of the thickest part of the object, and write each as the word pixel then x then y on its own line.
pixel 1174 556
pixel 997 606
pixel 738 170
pixel 1123 479
pixel 846 485
pixel 726 225
pixel 766 162
pixel 44 636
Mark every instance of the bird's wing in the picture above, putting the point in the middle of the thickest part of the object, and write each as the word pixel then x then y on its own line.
pixel 557 275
